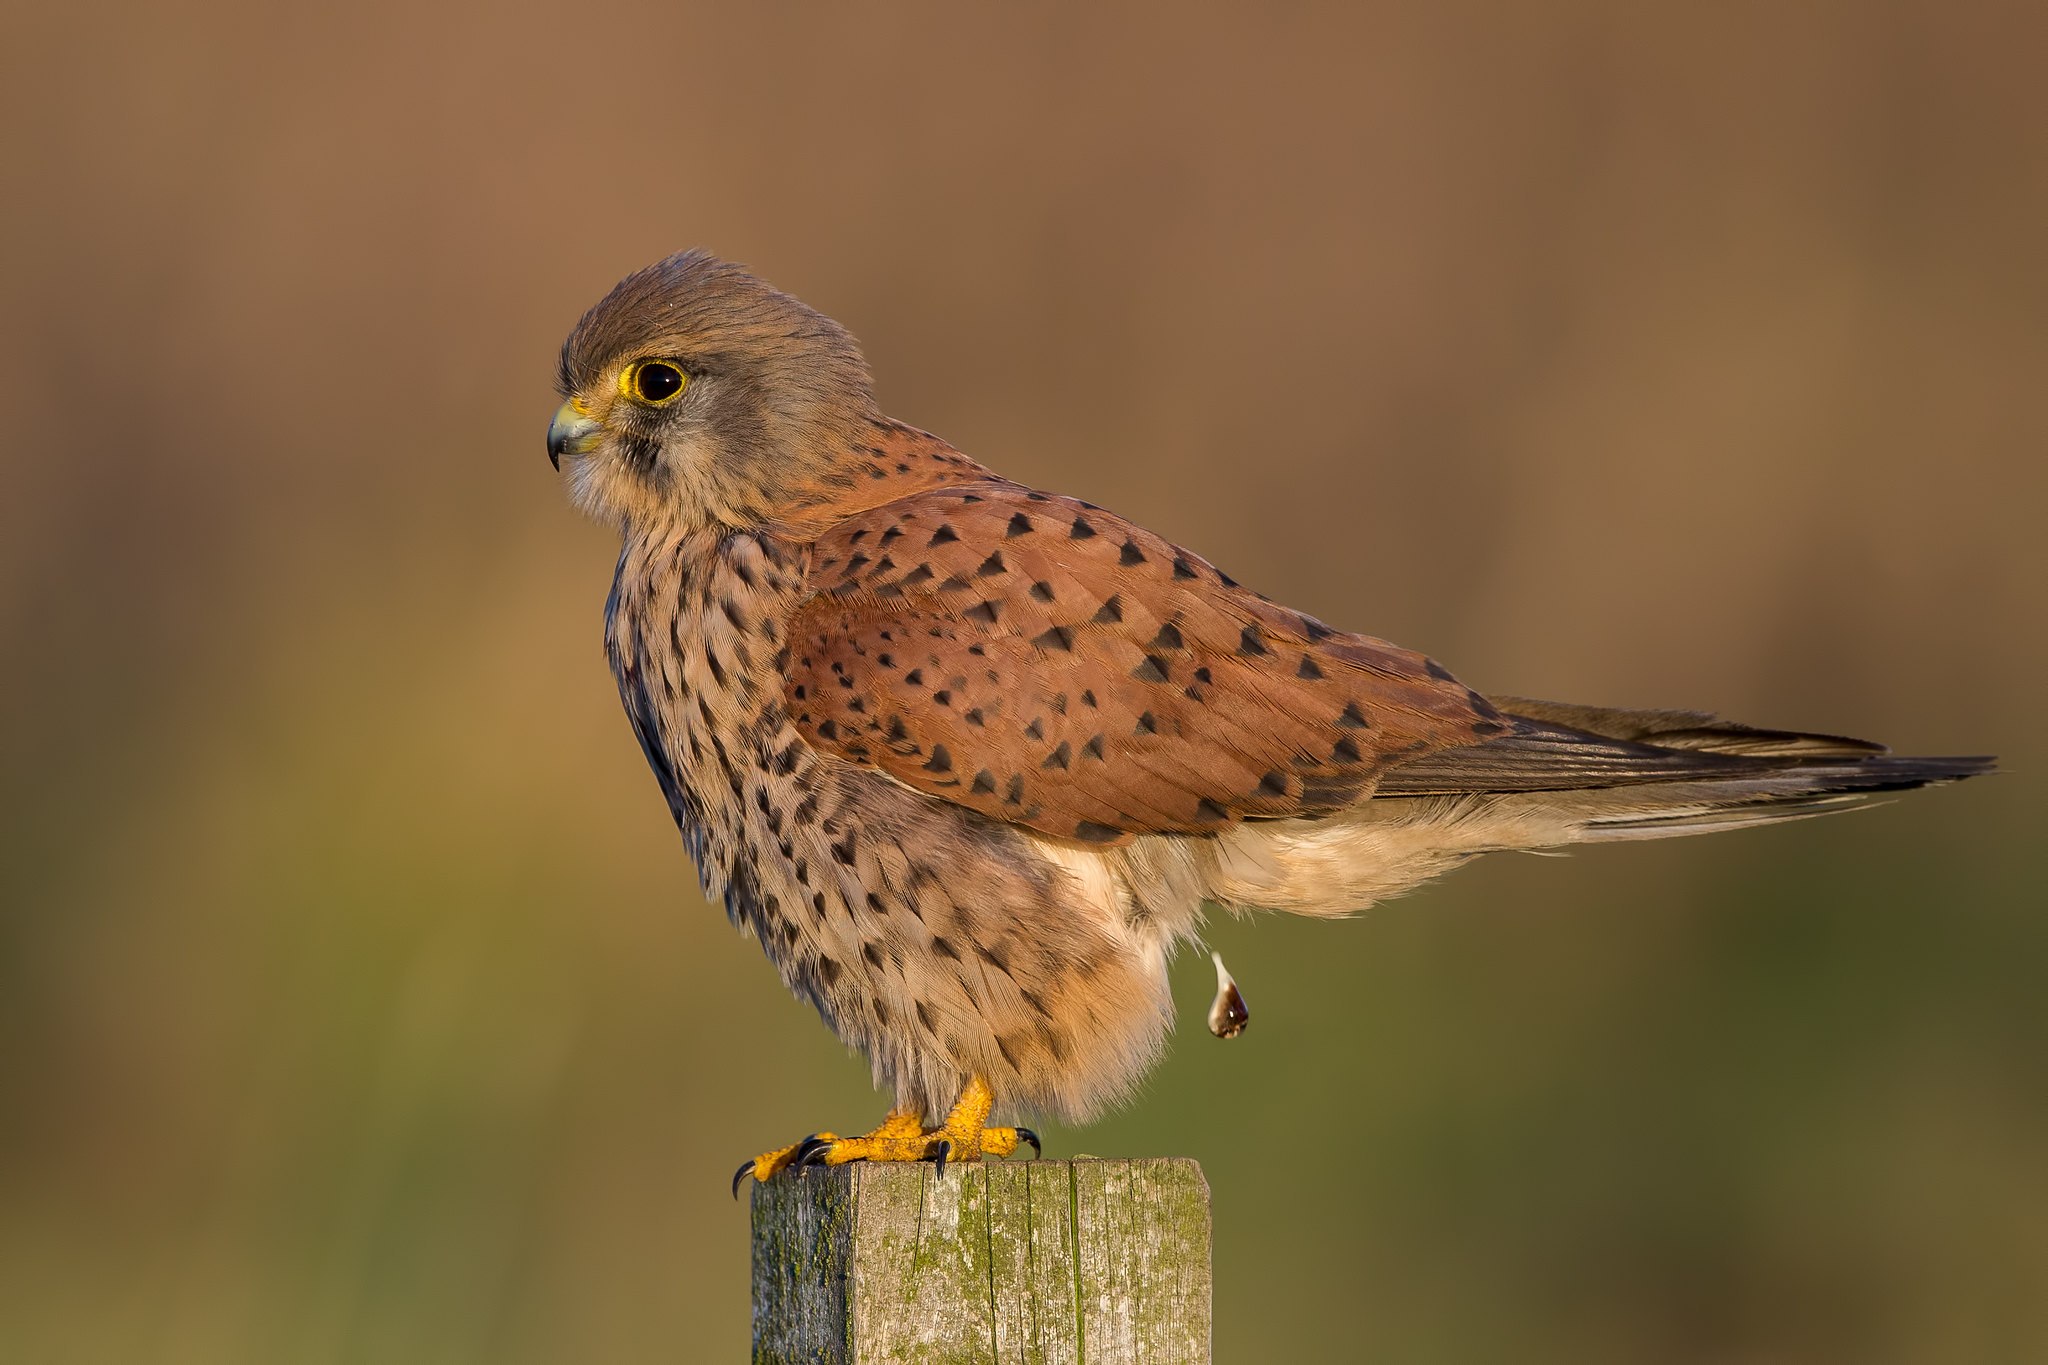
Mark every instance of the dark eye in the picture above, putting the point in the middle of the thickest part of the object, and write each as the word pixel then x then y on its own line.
pixel 654 381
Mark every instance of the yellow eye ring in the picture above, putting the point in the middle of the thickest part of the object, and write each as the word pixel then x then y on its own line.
pixel 656 383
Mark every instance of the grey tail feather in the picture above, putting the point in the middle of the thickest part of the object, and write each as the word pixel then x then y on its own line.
pixel 1617 774
pixel 1664 810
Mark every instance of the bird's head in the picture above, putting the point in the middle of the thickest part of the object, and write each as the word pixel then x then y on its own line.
pixel 695 396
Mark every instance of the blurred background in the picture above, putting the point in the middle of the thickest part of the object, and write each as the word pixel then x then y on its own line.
pixel 357 1002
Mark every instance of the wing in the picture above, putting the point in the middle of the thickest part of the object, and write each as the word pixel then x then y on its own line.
pixel 1556 746
pixel 1048 663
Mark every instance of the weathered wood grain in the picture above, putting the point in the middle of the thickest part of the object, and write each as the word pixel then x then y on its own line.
pixel 1027 1263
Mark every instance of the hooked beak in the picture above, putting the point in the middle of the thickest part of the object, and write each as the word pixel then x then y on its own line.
pixel 572 432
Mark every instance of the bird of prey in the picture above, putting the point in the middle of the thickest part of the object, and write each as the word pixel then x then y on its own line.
pixel 969 759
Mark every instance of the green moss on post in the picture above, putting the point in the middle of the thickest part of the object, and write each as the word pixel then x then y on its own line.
pixel 1021 1263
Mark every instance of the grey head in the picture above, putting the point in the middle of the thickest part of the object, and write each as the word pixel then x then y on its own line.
pixel 697 395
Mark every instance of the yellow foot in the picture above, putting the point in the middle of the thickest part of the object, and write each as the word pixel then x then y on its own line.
pixel 903 1137
pixel 782 1158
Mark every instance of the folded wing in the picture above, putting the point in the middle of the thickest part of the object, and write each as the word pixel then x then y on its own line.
pixel 1048 663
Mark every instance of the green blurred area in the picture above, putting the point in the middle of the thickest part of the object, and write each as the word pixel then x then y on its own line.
pixel 356 1000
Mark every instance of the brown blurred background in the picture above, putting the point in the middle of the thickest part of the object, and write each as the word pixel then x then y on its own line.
pixel 356 999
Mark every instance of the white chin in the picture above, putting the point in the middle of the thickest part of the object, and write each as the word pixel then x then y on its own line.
pixel 593 488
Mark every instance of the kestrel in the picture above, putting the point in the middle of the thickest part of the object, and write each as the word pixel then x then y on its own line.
pixel 970 759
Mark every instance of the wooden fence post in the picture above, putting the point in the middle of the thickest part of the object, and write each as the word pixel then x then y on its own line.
pixel 1036 1262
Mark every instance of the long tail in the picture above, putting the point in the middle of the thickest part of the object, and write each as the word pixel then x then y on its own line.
pixel 1606 774
pixel 1561 775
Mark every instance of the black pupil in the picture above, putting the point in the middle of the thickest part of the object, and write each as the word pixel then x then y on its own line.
pixel 656 382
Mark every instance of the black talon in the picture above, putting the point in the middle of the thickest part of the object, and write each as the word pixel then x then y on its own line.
pixel 808 1152
pixel 939 1153
pixel 1026 1135
pixel 746 1169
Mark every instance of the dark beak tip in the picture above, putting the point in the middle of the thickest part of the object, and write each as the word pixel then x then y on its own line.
pixel 569 433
